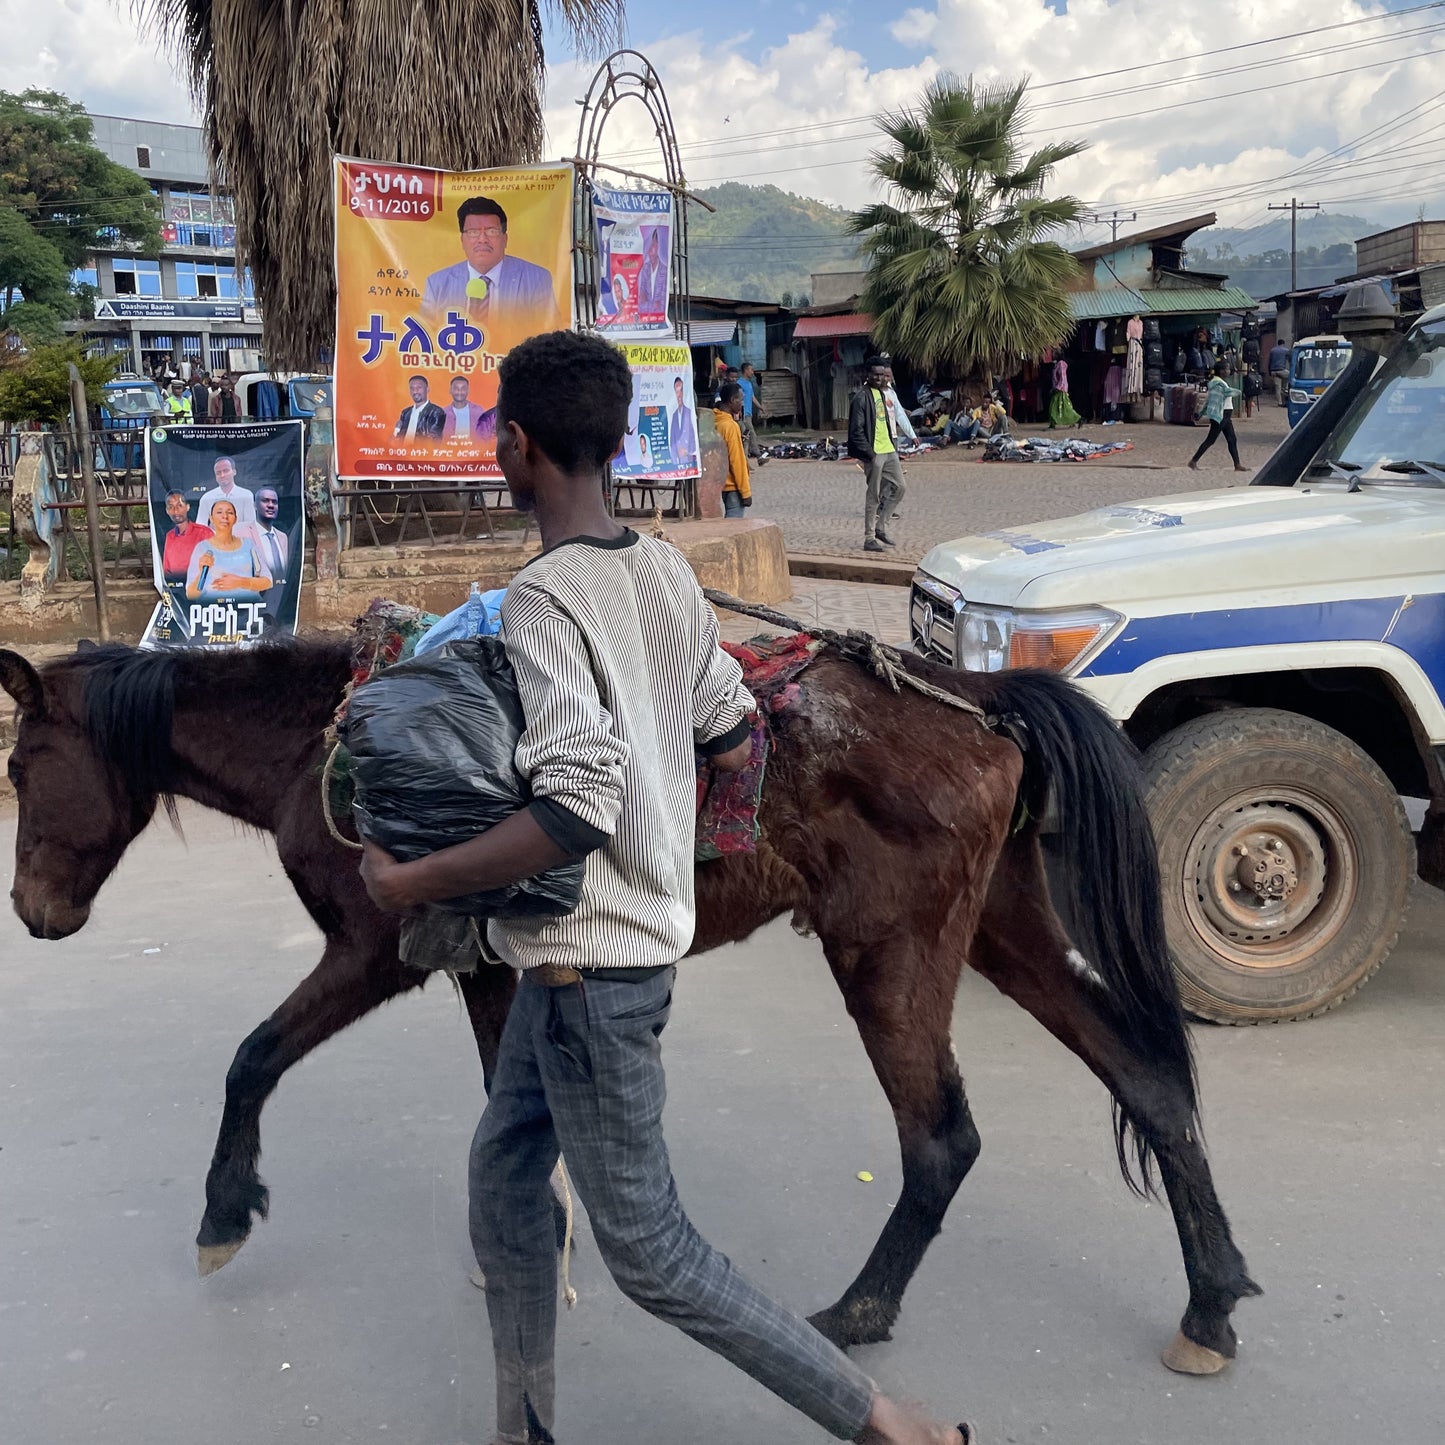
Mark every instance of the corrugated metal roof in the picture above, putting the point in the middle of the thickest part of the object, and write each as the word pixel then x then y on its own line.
pixel 711 333
pixel 1170 301
pixel 823 328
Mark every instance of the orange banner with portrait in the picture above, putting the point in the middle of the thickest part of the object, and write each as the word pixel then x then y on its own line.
pixel 438 275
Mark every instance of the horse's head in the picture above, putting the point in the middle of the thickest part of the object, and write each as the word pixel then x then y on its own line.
pixel 78 813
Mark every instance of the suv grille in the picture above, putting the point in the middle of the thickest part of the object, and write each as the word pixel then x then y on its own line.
pixel 931 611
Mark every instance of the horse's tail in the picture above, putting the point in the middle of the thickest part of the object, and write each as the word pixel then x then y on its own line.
pixel 1087 770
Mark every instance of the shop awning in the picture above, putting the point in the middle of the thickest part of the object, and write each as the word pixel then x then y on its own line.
pixel 1166 301
pixel 711 333
pixel 827 328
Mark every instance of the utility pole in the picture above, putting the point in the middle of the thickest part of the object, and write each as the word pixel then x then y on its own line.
pixel 1113 222
pixel 1294 208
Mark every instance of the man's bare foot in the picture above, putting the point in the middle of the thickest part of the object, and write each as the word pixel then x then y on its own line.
pixel 893 1424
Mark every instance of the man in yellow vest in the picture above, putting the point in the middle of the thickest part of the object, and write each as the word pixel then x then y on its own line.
pixel 178 404
pixel 873 443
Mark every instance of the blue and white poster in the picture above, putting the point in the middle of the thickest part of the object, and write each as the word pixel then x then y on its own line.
pixel 661 440
pixel 634 254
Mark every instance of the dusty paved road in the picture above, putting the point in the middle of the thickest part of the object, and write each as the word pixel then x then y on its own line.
pixel 819 505
pixel 348 1317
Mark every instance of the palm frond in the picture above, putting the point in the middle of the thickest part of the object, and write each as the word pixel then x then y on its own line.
pixel 964 272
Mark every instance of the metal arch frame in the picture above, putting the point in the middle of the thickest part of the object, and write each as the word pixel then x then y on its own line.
pixel 629 75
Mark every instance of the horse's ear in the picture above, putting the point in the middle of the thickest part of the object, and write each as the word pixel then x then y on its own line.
pixel 23 683
pixel 86 645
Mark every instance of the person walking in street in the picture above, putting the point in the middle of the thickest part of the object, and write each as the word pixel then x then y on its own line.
pixel 747 379
pixel 1279 371
pixel 1219 410
pixel 621 681
pixel 872 441
pixel 738 489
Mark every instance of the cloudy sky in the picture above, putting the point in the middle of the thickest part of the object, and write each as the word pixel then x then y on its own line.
pixel 1221 106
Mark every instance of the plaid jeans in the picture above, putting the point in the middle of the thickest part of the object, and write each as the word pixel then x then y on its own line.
pixel 581 1068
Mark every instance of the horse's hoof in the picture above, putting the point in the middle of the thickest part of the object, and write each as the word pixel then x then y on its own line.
pixel 478 1278
pixel 211 1257
pixel 1185 1357
pixel 851 1327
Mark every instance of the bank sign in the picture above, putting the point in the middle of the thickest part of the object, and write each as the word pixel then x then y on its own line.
pixel 146 308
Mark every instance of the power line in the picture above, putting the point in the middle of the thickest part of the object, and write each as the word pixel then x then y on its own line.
pixel 1111 120
pixel 1081 79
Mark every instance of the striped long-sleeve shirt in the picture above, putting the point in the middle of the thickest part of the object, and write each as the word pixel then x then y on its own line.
pixel 621 678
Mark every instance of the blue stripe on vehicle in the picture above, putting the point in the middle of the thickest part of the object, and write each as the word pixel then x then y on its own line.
pixel 1416 625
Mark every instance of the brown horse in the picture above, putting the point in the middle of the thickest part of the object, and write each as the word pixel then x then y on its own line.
pixel 892 828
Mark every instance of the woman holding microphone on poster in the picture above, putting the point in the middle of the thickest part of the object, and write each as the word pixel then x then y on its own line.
pixel 225 569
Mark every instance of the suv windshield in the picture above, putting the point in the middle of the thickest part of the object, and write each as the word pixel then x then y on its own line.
pixel 1398 418
pixel 1320 363
pixel 133 401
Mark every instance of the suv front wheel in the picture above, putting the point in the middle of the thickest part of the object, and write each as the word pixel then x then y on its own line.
pixel 1286 860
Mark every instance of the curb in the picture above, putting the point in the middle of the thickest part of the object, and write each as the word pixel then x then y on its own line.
pixel 879 572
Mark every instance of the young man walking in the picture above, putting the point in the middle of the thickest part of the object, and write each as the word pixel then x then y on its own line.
pixel 621 678
pixel 872 441
pixel 1219 412
pixel 747 380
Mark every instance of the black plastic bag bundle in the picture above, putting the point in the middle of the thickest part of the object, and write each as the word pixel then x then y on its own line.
pixel 433 744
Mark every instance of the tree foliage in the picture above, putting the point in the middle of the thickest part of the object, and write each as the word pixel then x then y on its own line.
pixel 72 194
pixel 30 265
pixel 38 389
pixel 762 242
pixel 964 269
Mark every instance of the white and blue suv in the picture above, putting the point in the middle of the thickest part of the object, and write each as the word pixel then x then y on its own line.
pixel 1277 653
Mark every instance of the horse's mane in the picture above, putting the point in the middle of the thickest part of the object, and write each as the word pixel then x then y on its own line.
pixel 129 696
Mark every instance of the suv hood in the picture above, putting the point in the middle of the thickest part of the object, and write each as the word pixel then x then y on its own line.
pixel 1253 542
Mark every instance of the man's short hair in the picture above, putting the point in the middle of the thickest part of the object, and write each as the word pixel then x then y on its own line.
pixel 418 376
pixel 748 366
pixel 570 394
pixel 879 363
pixel 175 492
pixel 732 371
pixel 479 206
pixel 727 391
pixel 230 462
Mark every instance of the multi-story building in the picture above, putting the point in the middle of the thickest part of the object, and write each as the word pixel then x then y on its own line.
pixel 192 302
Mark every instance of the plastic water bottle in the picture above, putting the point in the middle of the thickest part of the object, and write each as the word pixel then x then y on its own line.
pixel 476 611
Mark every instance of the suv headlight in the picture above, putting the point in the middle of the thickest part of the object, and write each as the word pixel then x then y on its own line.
pixel 990 639
pixel 1300 398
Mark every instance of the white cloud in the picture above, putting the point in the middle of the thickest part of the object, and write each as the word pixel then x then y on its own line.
pixel 797 114
pixel 94 52
pixel 800 109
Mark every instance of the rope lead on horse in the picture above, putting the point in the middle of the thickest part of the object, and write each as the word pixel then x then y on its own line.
pixel 885 662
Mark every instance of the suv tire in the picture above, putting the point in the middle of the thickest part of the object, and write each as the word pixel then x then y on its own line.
pixel 1286 860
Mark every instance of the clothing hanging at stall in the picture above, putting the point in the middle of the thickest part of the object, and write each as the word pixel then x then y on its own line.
pixel 1134 363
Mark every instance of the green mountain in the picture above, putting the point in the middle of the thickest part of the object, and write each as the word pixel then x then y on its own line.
pixel 1257 258
pixel 762 244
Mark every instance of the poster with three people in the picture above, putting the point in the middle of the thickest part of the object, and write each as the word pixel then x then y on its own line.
pixel 228 532
pixel 438 275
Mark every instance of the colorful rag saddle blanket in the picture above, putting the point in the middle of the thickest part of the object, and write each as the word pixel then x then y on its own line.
pixel 727 803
